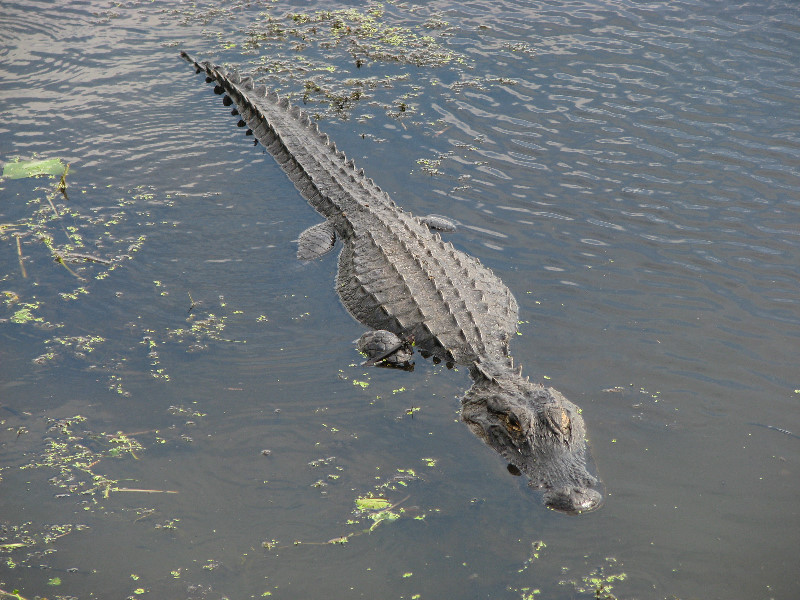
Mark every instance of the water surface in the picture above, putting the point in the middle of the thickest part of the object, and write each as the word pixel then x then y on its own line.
pixel 631 170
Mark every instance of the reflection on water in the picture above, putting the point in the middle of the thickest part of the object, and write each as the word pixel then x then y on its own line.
pixel 629 170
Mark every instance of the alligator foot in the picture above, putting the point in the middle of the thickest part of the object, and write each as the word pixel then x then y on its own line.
pixel 438 223
pixel 316 241
pixel 384 348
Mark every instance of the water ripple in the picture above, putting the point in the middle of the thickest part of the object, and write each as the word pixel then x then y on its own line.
pixel 631 168
pixel 673 125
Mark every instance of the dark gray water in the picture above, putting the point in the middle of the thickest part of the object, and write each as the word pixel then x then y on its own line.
pixel 631 170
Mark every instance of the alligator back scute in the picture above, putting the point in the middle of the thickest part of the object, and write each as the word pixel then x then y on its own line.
pixel 293 138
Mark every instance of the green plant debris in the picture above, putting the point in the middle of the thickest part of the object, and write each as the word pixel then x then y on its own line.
pixel 56 243
pixel 374 508
pixel 24 314
pixel 24 544
pixel 211 565
pixel 61 186
pixel 430 166
pixel 365 36
pixel 382 516
pixel 76 455
pixel 183 411
pixel 369 503
pixel 201 328
pixel 598 583
pixel 78 346
pixel 20 169
pixel 310 47
pixel 536 548
pixel 340 540
pixel 378 510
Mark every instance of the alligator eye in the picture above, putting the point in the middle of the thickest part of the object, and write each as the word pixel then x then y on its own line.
pixel 558 420
pixel 565 423
pixel 512 423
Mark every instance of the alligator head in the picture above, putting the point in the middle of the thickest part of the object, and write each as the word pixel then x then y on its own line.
pixel 537 430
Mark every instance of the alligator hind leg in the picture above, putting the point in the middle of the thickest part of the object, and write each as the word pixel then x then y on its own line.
pixel 316 241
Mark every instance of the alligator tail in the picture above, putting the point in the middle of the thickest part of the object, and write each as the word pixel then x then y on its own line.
pixel 322 174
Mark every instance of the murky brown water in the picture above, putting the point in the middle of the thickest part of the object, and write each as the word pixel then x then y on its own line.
pixel 631 171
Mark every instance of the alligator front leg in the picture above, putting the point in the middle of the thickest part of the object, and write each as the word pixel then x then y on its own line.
pixel 316 241
pixel 438 223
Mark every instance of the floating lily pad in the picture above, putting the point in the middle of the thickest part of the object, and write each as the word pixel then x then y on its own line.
pixel 33 168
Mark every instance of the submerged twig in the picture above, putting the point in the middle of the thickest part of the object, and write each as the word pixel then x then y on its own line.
pixel 53 206
pixel 13 595
pixel 193 303
pixel 21 258
pixel 141 491
pixel 60 259
pixel 337 540
pixel 87 257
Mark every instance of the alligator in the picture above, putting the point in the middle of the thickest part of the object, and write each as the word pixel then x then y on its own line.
pixel 395 274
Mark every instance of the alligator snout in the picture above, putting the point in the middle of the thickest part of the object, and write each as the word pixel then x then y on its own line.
pixel 573 500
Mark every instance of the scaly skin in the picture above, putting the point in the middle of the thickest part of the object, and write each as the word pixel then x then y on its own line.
pixel 396 274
